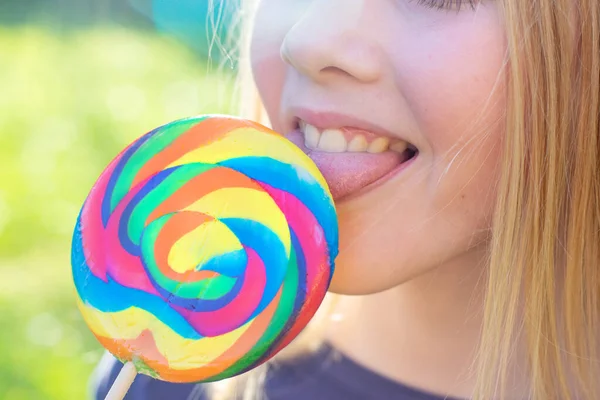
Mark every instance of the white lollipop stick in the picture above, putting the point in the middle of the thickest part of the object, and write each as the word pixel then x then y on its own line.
pixel 123 382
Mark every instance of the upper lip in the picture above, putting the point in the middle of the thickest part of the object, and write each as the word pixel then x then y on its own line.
pixel 333 119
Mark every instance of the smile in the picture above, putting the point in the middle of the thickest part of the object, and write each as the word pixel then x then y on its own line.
pixel 353 160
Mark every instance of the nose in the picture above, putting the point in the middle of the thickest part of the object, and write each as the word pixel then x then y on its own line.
pixel 334 38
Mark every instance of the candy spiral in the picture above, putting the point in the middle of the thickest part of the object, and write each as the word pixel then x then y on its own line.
pixel 204 248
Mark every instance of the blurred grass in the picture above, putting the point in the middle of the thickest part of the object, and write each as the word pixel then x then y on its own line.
pixel 69 104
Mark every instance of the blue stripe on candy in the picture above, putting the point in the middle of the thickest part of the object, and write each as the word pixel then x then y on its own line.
pixel 112 297
pixel 199 305
pixel 232 264
pixel 131 247
pixel 296 181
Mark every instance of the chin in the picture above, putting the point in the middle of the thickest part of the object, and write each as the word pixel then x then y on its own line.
pixel 346 288
pixel 352 279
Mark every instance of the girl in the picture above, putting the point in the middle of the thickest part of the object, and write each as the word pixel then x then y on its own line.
pixel 461 141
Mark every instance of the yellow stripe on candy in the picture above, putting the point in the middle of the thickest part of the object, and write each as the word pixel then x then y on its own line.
pixel 209 240
pixel 246 142
pixel 181 353
pixel 248 204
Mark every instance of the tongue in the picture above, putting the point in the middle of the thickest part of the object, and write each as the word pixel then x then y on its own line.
pixel 346 173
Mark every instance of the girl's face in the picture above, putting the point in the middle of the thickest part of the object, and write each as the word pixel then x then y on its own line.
pixel 391 74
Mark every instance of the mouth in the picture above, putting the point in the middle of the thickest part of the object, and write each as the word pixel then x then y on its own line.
pixel 352 160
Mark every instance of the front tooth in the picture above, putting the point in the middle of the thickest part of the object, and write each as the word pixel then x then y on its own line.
pixel 379 145
pixel 399 146
pixel 358 144
pixel 333 141
pixel 311 136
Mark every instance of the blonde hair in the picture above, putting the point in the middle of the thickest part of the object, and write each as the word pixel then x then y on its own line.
pixel 543 279
pixel 545 252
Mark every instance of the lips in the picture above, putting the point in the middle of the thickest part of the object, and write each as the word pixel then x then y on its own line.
pixel 348 173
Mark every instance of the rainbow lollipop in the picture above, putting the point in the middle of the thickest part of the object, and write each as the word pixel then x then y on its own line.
pixel 203 249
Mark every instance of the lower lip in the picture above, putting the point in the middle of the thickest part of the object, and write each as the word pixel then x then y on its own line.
pixel 350 175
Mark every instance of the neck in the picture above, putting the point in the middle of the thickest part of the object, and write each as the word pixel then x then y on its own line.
pixel 423 333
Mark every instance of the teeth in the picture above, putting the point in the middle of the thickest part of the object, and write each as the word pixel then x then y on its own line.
pixel 311 136
pixel 358 144
pixel 379 145
pixel 399 146
pixel 333 141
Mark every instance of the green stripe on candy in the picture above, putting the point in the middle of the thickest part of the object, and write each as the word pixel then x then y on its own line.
pixel 157 143
pixel 286 303
pixel 205 289
pixel 142 368
pixel 182 175
pixel 216 288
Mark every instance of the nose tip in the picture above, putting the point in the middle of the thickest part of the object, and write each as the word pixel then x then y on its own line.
pixel 321 47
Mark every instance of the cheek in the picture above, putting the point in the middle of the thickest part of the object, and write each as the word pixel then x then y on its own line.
pixel 450 78
pixel 456 94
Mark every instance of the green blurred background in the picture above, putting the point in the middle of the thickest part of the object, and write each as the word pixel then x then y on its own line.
pixel 80 79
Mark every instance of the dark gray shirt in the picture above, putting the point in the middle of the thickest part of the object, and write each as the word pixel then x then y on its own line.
pixel 323 375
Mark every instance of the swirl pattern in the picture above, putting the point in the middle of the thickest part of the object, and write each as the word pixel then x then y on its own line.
pixel 204 248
